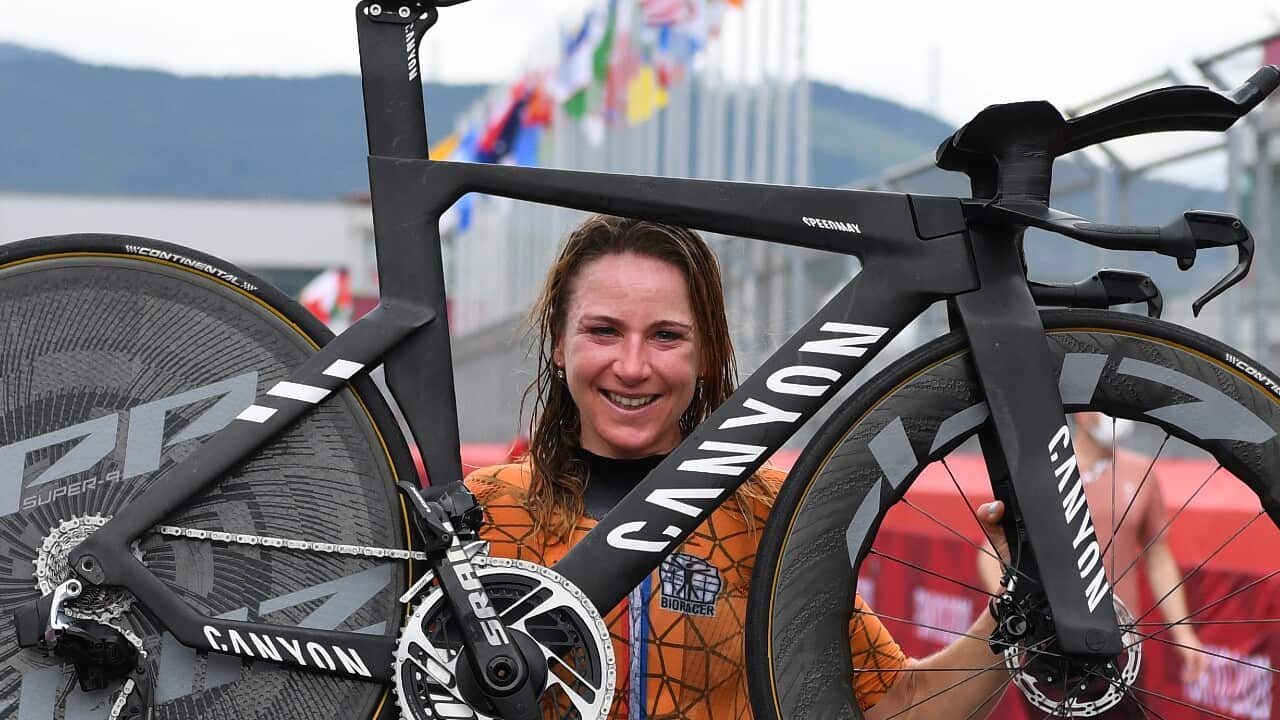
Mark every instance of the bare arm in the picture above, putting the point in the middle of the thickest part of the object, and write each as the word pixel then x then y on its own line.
pixel 963 680
pixel 1167 586
pixel 1164 578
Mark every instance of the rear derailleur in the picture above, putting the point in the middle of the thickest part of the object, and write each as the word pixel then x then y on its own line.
pixel 101 654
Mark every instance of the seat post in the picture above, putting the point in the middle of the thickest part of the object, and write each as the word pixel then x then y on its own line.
pixel 389 33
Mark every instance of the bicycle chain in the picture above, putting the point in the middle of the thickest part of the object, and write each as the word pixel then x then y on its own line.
pixel 275 542
pixel 238 539
pixel 126 689
pixel 289 543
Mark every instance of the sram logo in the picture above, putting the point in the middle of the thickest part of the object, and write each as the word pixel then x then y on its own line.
pixel 733 458
pixel 1085 542
pixel 494 632
pixel 96 439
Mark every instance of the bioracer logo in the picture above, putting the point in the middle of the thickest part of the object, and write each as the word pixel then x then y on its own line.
pixel 832 225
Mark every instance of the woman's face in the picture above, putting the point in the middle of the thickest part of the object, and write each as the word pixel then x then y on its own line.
pixel 630 353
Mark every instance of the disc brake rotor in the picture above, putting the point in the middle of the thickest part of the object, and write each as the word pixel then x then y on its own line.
pixel 1063 688
pixel 531 600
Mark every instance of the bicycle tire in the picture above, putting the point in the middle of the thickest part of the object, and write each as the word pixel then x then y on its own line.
pixel 94 327
pixel 802 587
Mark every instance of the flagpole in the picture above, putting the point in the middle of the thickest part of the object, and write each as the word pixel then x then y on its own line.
pixel 760 159
pixel 799 142
pixel 740 103
pixel 802 99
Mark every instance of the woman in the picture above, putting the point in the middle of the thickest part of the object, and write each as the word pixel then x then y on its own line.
pixel 633 351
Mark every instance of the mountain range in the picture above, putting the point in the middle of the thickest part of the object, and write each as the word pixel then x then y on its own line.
pixel 75 128
pixel 71 127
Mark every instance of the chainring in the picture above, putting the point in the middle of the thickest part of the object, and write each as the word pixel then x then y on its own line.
pixel 530 599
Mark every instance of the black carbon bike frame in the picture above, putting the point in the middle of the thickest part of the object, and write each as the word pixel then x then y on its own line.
pixel 915 250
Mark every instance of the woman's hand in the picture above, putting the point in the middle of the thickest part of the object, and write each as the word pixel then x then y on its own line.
pixel 945 684
pixel 990 516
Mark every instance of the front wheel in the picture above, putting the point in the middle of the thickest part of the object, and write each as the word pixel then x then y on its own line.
pixel 1185 510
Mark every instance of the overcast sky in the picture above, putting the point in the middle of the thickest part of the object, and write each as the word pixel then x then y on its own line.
pixel 950 57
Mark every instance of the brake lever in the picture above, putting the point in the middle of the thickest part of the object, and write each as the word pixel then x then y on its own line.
pixel 1216 230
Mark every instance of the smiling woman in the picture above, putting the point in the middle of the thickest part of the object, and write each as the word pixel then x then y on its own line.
pixel 633 352
pixel 629 354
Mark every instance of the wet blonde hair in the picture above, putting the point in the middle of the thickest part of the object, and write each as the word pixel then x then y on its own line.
pixel 558 479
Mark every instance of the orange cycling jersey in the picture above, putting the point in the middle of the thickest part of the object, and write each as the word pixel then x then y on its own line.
pixel 678 638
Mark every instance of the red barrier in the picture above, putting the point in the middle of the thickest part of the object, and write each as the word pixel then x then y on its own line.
pixel 477 455
pixel 924 612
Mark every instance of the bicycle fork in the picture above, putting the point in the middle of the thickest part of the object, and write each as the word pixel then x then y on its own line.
pixel 1030 446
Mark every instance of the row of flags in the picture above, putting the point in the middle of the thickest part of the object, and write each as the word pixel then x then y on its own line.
pixel 615 66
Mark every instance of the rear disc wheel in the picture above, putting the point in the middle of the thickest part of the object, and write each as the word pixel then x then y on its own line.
pixel 115 367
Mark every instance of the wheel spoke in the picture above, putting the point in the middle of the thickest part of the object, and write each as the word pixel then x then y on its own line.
pixel 1162 696
pixel 1115 526
pixel 1004 566
pixel 1168 523
pixel 998 663
pixel 926 571
pixel 1197 568
pixel 1166 625
pixel 954 531
pixel 1210 653
pixel 913 623
pixel 1128 506
pixel 994 694
pixel 1225 597
pixel 1142 707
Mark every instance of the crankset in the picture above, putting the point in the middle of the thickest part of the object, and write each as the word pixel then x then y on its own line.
pixel 555 626
pixel 556 629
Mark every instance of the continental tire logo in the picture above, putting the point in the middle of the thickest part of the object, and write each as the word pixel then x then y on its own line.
pixel 1253 372
pixel 185 261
